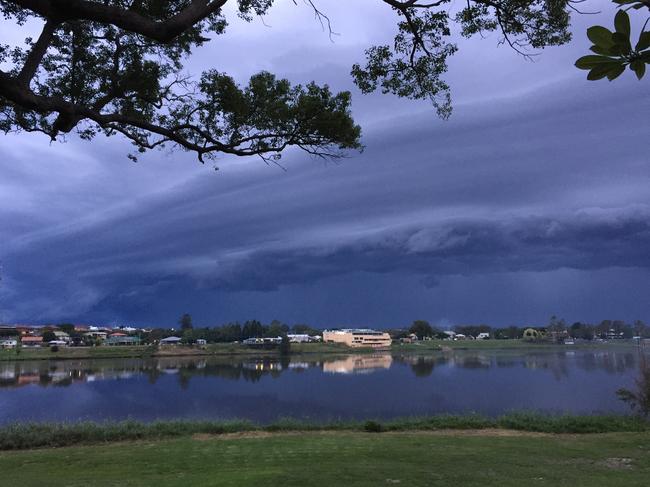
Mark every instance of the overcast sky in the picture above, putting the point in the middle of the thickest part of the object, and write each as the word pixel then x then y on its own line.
pixel 532 200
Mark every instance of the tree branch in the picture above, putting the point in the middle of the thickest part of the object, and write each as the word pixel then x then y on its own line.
pixel 35 56
pixel 129 20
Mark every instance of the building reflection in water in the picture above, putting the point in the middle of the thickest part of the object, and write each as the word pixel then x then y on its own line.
pixel 67 372
pixel 359 364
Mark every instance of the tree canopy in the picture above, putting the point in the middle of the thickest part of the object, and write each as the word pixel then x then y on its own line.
pixel 117 67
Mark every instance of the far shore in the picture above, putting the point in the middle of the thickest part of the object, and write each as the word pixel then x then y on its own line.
pixel 297 349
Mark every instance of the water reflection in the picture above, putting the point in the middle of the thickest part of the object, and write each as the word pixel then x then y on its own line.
pixel 315 387
pixel 65 373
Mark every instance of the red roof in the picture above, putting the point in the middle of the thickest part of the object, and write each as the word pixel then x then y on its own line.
pixel 31 339
pixel 118 334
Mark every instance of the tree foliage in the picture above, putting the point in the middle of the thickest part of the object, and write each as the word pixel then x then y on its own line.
pixel 613 51
pixel 186 322
pixel 117 67
pixel 422 329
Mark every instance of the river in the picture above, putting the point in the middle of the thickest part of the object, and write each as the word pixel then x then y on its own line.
pixel 316 388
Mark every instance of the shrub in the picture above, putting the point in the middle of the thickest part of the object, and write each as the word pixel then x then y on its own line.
pixel 372 427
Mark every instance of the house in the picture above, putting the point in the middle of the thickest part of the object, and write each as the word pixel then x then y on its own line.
pixel 61 336
pixel 358 337
pixel 298 338
pixel 8 343
pixel 451 335
pixel 121 339
pixel 31 341
pixel 201 342
pixel 170 341
pixel 483 336
pixel 102 335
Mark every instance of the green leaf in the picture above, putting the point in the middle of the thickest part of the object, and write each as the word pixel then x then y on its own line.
pixel 614 73
pixel 602 70
pixel 604 51
pixel 638 67
pixel 600 36
pixel 622 41
pixel 644 41
pixel 622 23
pixel 591 61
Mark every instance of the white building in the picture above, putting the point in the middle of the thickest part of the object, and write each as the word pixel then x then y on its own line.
pixel 358 337
pixel 8 343
pixel 298 338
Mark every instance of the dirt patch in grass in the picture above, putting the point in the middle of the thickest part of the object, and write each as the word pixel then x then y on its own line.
pixel 617 463
pixel 491 432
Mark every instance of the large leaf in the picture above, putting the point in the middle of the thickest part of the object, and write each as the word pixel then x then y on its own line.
pixel 600 36
pixel 615 72
pixel 644 41
pixel 622 41
pixel 638 67
pixel 604 51
pixel 591 61
pixel 602 70
pixel 622 23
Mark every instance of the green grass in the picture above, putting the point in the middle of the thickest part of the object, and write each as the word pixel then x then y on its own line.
pixel 351 459
pixel 38 435
pixel 437 345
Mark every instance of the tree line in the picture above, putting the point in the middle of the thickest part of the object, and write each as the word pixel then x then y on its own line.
pixel 579 330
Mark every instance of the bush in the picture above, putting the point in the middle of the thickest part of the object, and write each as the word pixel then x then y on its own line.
pixel 372 427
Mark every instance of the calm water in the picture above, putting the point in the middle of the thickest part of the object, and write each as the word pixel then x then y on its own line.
pixel 354 386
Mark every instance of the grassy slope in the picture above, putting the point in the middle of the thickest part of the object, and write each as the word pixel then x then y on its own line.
pixel 342 458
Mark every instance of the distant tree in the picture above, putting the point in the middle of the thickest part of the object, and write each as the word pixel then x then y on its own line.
pixel 603 328
pixel 556 325
pixel 49 336
pixel 582 331
pixel 185 322
pixel 422 329
pixel 66 327
pixel 276 328
pixel 285 345
pixel 253 329
pixel 640 328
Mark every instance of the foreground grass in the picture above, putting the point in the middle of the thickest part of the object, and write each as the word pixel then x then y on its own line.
pixel 324 459
pixel 38 435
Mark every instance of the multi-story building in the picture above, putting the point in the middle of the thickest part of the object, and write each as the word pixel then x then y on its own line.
pixel 358 337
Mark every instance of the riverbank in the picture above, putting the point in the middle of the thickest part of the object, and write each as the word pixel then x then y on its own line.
pixel 20 436
pixel 236 349
pixel 326 458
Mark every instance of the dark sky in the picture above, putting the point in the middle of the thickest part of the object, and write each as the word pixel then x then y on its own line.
pixel 532 200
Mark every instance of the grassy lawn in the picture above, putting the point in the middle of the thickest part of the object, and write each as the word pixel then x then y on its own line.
pixel 436 345
pixel 488 458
